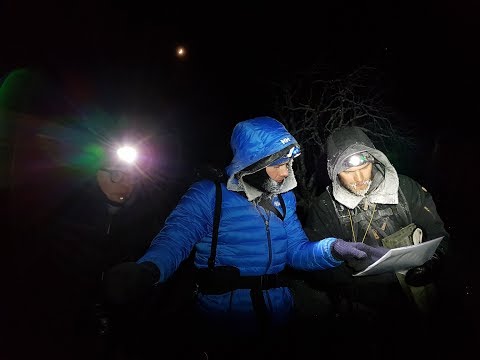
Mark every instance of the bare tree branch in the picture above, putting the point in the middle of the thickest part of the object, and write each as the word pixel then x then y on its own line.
pixel 312 107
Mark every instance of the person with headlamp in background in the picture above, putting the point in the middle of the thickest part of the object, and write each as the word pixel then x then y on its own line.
pixel 110 218
pixel 73 208
pixel 368 202
pixel 242 304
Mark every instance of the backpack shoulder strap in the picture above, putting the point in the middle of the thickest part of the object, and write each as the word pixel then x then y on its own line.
pixel 267 204
pixel 216 223
pixel 404 210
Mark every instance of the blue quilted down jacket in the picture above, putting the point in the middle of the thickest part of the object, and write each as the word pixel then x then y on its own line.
pixel 250 238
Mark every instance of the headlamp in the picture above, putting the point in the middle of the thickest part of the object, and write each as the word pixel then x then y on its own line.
pixel 127 154
pixel 357 160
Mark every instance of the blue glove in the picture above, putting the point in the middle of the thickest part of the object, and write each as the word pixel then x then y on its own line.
pixel 357 255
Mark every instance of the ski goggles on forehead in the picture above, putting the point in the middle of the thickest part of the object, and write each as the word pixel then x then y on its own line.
pixel 292 153
pixel 357 160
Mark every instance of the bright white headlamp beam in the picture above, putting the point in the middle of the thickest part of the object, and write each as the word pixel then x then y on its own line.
pixel 127 154
pixel 355 160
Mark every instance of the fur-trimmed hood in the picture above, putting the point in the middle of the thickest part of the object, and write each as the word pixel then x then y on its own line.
pixel 347 141
pixel 256 143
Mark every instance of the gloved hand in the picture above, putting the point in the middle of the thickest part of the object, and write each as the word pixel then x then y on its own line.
pixel 424 274
pixel 357 255
pixel 129 282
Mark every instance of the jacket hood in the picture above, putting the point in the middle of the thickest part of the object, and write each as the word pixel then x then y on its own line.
pixel 256 143
pixel 347 141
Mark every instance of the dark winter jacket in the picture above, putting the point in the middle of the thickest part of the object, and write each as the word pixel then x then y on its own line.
pixel 87 235
pixel 392 202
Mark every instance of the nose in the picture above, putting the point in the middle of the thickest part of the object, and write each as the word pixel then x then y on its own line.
pixel 283 171
pixel 358 176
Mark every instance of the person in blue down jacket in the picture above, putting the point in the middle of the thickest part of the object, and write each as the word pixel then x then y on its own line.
pixel 241 293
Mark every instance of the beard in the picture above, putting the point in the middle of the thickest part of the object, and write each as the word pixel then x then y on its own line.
pixel 352 187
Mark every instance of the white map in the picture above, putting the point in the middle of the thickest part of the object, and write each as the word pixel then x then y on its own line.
pixel 403 258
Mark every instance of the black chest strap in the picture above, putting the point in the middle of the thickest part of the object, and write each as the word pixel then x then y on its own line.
pixel 267 204
pixel 216 224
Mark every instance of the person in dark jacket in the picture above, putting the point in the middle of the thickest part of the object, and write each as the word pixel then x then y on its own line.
pixel 368 202
pixel 108 219
pixel 240 293
pixel 72 210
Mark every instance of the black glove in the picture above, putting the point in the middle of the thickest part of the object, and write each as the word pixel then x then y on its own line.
pixel 426 273
pixel 357 255
pixel 129 282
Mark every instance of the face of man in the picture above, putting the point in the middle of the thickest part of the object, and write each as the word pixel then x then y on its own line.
pixel 277 173
pixel 357 179
pixel 116 184
pixel 276 176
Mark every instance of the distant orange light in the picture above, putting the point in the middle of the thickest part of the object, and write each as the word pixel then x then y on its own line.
pixel 181 51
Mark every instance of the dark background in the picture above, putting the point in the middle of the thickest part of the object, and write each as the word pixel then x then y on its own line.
pixel 120 56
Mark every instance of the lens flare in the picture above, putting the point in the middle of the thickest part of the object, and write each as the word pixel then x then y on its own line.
pixel 127 154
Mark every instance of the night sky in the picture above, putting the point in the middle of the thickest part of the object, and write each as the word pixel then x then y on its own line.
pixel 121 55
